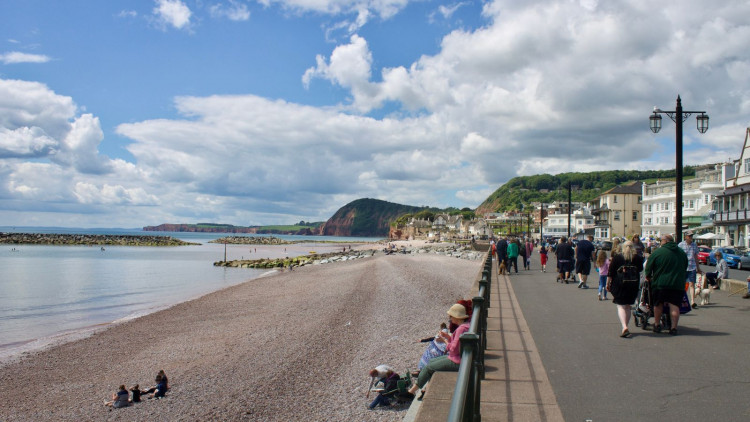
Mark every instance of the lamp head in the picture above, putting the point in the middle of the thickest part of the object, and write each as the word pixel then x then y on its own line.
pixel 655 122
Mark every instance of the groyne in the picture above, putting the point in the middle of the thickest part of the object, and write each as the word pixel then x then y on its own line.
pixel 457 251
pixel 89 239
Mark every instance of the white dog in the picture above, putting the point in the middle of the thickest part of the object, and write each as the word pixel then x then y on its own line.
pixel 701 293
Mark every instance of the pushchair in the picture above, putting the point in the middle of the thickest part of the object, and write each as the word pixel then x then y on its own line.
pixel 644 310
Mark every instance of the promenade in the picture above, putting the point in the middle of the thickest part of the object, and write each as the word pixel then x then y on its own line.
pixel 554 353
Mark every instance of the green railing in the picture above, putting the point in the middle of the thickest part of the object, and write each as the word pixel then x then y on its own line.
pixel 466 396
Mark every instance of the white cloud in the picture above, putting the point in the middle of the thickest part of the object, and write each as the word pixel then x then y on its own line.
pixel 15 57
pixel 127 14
pixel 541 87
pixel 235 10
pixel 173 12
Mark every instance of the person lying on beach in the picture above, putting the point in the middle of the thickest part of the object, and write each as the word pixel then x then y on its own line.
pixel 119 398
pixel 449 362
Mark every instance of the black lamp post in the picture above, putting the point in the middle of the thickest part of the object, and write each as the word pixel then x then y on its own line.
pixel 678 116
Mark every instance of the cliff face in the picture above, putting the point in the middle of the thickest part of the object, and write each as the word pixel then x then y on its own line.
pixel 365 217
pixel 340 224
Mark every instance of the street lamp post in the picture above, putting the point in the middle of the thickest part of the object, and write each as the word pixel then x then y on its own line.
pixel 678 116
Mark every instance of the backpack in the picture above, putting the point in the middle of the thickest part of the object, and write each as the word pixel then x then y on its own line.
pixel 626 275
pixel 629 273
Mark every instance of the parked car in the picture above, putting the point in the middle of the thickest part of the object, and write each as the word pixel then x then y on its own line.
pixel 729 254
pixel 744 263
pixel 703 253
pixel 605 245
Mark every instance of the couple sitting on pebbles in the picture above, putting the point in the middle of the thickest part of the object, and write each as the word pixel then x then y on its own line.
pixel 121 398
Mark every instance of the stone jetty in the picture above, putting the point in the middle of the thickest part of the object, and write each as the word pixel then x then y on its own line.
pixel 252 240
pixel 463 252
pixel 89 239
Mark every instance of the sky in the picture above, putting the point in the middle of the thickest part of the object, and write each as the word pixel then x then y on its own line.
pixel 128 113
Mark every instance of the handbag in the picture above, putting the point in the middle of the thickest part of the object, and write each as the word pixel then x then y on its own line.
pixel 685 306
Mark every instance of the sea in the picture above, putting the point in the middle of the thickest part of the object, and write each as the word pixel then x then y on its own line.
pixel 53 294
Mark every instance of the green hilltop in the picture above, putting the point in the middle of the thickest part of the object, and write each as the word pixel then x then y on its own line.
pixel 585 187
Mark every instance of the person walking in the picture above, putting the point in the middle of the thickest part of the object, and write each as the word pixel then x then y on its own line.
pixel 623 280
pixel 602 264
pixel 512 255
pixel 501 248
pixel 522 252
pixel 564 253
pixel 666 269
pixel 543 257
pixel 529 249
pixel 585 253
pixel 691 250
pixel 640 248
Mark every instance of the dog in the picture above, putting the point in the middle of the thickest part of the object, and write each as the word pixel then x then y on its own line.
pixel 501 270
pixel 702 293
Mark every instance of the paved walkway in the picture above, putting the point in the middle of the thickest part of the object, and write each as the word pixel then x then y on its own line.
pixel 516 387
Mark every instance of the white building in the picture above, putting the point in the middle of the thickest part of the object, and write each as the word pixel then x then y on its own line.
pixel 556 225
pixel 698 194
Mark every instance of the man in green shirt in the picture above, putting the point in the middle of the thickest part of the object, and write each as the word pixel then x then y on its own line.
pixel 665 270
pixel 513 254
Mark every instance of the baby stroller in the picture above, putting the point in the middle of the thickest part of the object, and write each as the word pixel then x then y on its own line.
pixel 644 309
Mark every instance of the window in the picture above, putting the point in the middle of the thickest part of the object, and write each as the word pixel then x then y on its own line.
pixel 648 208
pixel 615 199
pixel 617 215
pixel 635 215
pixel 691 203
pixel 747 165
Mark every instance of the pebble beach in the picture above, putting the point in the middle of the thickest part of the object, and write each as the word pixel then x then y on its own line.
pixel 294 345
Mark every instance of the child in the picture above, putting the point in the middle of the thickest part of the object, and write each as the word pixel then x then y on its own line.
pixel 435 348
pixel 543 257
pixel 136 393
pixel 602 264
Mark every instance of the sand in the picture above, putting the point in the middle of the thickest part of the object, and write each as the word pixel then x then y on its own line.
pixel 287 347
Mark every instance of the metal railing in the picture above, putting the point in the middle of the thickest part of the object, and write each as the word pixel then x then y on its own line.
pixel 466 396
pixel 732 216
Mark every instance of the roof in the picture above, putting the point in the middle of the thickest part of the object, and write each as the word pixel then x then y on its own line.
pixel 630 188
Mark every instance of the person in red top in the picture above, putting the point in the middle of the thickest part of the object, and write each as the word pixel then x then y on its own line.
pixel 450 361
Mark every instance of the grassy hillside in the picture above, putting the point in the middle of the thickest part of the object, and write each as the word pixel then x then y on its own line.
pixel 548 188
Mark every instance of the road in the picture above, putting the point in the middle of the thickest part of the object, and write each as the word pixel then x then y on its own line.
pixel 699 375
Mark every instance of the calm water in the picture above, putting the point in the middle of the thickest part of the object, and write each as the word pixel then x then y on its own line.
pixel 50 292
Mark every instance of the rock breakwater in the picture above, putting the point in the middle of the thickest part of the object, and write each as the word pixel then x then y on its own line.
pixel 462 252
pixel 252 240
pixel 89 239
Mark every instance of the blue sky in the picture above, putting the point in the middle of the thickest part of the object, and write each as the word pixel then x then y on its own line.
pixel 132 113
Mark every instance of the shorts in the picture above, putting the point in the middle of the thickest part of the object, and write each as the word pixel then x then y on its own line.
pixel 583 266
pixel 690 276
pixel 564 266
pixel 668 296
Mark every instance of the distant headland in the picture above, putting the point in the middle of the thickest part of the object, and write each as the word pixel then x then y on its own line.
pixel 302 228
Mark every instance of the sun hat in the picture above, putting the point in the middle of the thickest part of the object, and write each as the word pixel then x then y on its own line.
pixel 458 311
